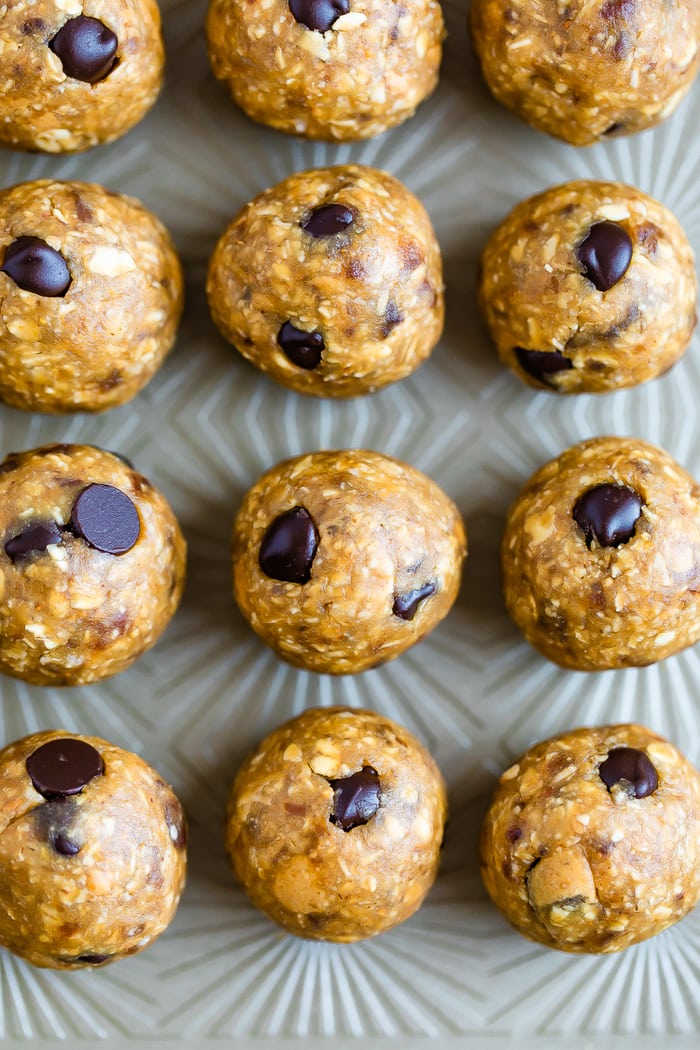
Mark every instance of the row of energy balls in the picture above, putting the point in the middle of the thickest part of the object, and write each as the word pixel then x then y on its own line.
pixel 343 559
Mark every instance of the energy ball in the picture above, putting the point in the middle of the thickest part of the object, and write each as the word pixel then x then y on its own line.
pixel 77 73
pixel 343 560
pixel 601 556
pixel 92 565
pixel 589 287
pixel 592 840
pixel 92 851
pixel 327 69
pixel 331 282
pixel 587 69
pixel 91 291
pixel 334 825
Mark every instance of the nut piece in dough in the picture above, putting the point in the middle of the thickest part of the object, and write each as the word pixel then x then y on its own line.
pixel 592 840
pixel 589 287
pixel 77 73
pixel 331 282
pixel 334 825
pixel 91 294
pixel 343 560
pixel 92 851
pixel 601 556
pixel 586 69
pixel 92 565
pixel 327 69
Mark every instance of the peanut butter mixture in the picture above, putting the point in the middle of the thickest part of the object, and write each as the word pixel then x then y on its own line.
pixel 343 560
pixel 601 556
pixel 586 69
pixel 335 824
pixel 592 839
pixel 331 282
pixel 327 69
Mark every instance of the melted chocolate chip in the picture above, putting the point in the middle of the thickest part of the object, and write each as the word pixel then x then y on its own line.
pixel 106 518
pixel 406 605
pixel 318 14
pixel 87 49
pixel 302 348
pixel 93 960
pixel 355 798
pixel 63 767
pixel 65 846
pixel 34 538
pixel 541 363
pixel 289 547
pixel 608 514
pixel 36 267
pixel 54 820
pixel 328 220
pixel 630 768
pixel 605 254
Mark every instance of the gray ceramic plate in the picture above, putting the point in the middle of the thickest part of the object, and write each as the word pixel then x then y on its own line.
pixel 203 430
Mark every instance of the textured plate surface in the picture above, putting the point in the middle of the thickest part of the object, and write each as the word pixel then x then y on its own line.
pixel 203 430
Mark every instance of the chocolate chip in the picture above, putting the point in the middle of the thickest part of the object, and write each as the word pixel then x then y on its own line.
pixel 406 605
pixel 605 254
pixel 318 14
pixel 34 538
pixel 63 767
pixel 608 514
pixel 355 798
pixel 65 846
pixel 106 518
pixel 87 49
pixel 328 220
pixel 175 819
pixel 614 129
pixel 630 768
pixel 541 363
pixel 392 318
pixel 94 960
pixel 302 348
pixel 289 547
pixel 54 820
pixel 36 267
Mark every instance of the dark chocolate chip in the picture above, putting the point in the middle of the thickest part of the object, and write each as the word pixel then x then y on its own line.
pixel 614 129
pixel 34 538
pixel 605 254
pixel 302 348
pixel 541 363
pixel 630 768
pixel 328 220
pixel 318 14
pixel 65 846
pixel 54 824
pixel 106 518
pixel 87 49
pixel 392 318
pixel 94 960
pixel 175 819
pixel 608 514
pixel 406 605
pixel 355 798
pixel 36 267
pixel 514 834
pixel 63 767
pixel 289 547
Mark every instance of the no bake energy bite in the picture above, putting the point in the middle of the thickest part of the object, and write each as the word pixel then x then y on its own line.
pixel 601 556
pixel 330 282
pixel 589 287
pixel 76 73
pixel 592 840
pixel 334 824
pixel 342 560
pixel 92 851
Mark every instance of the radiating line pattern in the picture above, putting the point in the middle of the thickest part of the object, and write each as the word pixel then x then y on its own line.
pixel 203 430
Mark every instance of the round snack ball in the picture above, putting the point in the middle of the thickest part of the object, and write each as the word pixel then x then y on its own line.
pixel 601 556
pixel 589 287
pixel 92 851
pixel 334 825
pixel 592 840
pixel 92 294
pixel 92 565
pixel 331 282
pixel 77 73
pixel 586 70
pixel 327 69
pixel 343 560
